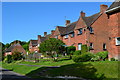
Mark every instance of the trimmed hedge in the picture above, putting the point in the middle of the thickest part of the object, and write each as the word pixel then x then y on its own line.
pixel 70 49
pixel 78 52
pixel 83 57
pixel 84 49
pixel 103 55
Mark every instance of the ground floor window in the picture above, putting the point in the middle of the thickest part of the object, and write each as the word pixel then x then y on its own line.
pixel 91 45
pixel 117 40
pixel 104 46
pixel 79 46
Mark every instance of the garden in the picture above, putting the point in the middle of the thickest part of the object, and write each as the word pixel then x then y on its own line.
pixel 64 62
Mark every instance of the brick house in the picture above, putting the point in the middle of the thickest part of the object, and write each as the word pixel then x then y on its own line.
pixel 14 47
pixel 100 31
pixel 113 13
pixel 34 44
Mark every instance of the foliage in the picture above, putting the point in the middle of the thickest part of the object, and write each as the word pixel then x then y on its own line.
pixel 112 59
pixel 70 50
pixel 84 49
pixel 83 57
pixel 103 55
pixel 95 58
pixel 8 59
pixel 17 56
pixel 78 52
pixel 52 46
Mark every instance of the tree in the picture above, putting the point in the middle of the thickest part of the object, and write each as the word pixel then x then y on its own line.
pixel 52 47
pixel 70 50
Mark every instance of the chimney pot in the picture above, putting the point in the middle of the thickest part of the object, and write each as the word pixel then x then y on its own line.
pixel 103 8
pixel 82 14
pixel 45 33
pixel 67 22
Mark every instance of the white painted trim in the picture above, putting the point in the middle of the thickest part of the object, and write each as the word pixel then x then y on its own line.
pixel 112 9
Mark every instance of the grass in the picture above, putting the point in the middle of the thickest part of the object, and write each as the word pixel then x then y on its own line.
pixel 88 70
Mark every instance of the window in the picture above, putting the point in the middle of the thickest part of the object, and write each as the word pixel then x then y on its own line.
pixel 117 40
pixel 72 34
pixel 79 46
pixel 38 45
pixel 91 30
pixel 104 46
pixel 91 45
pixel 66 36
pixel 80 31
pixel 56 37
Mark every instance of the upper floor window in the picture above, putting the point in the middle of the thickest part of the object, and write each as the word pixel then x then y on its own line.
pixel 91 45
pixel 104 46
pixel 91 30
pixel 117 40
pixel 80 31
pixel 66 36
pixel 56 37
pixel 72 34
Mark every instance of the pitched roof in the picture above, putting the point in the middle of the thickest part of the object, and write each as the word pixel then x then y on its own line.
pixel 114 4
pixel 69 28
pixel 12 47
pixel 34 42
pixel 89 20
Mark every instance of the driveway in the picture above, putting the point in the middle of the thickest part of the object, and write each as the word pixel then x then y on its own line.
pixel 10 75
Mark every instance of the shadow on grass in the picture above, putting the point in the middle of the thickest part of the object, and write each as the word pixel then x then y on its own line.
pixel 78 70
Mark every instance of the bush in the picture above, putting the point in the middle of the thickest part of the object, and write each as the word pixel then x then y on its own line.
pixel 95 58
pixel 17 56
pixel 83 57
pixel 70 49
pixel 8 59
pixel 103 55
pixel 112 59
pixel 78 52
pixel 84 49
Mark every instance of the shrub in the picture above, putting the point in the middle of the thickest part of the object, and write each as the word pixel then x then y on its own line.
pixel 8 59
pixel 83 57
pixel 103 55
pixel 17 56
pixel 95 58
pixel 78 52
pixel 112 59
pixel 70 49
pixel 84 49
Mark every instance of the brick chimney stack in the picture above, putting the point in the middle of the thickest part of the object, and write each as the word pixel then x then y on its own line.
pixel 39 36
pixel 82 14
pixel 67 22
pixel 45 33
pixel 103 8
pixel 52 32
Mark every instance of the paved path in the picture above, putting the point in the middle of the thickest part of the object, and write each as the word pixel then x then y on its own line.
pixel 10 75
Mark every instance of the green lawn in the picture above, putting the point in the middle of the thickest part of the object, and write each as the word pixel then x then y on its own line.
pixel 101 69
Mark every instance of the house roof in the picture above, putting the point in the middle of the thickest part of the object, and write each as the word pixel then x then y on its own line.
pixel 114 4
pixel 69 28
pixel 12 47
pixel 34 42
pixel 90 19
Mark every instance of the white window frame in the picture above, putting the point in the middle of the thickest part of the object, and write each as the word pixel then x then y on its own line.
pixel 72 34
pixel 117 42
pixel 79 47
pixel 104 46
pixel 66 36
pixel 91 47
pixel 80 31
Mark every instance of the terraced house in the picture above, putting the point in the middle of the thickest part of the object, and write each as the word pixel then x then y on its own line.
pixel 100 31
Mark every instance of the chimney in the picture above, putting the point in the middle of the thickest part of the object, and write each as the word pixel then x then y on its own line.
pixel 52 32
pixel 45 33
pixel 103 8
pixel 82 14
pixel 39 36
pixel 67 22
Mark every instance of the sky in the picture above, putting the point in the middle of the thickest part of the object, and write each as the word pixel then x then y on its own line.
pixel 25 20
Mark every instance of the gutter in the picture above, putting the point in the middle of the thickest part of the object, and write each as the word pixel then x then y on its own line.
pixel 113 9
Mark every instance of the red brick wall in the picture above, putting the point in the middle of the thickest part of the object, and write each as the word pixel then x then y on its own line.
pixel 100 36
pixel 114 24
